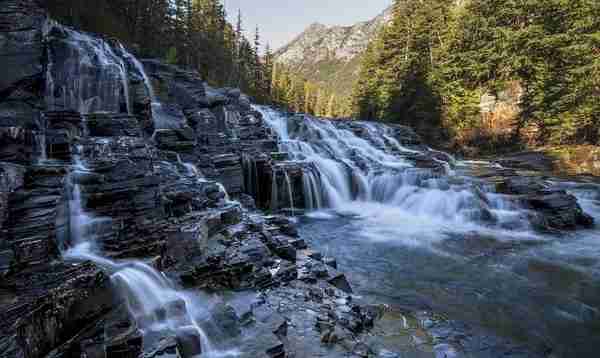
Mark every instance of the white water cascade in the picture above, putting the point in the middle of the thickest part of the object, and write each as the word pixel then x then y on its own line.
pixel 152 300
pixel 373 176
pixel 160 115
pixel 289 190
pixel 84 73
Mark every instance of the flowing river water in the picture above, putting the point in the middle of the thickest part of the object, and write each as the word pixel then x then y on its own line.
pixel 422 242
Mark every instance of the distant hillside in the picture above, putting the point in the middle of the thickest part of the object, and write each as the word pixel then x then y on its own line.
pixel 331 54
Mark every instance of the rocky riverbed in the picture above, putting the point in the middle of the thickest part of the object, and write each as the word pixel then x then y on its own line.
pixel 145 214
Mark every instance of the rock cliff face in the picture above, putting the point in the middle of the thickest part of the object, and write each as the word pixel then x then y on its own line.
pixel 331 54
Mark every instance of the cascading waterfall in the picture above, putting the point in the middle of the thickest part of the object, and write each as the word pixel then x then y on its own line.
pixel 140 68
pixel 40 139
pixel 160 116
pixel 356 174
pixel 84 73
pixel 125 81
pixel 274 190
pixel 223 190
pixel 312 189
pixel 231 122
pixel 192 170
pixel 151 298
pixel 290 192
pixel 251 184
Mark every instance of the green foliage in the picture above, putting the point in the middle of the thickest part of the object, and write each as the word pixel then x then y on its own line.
pixel 171 57
pixel 438 57
pixel 190 33
pixel 295 93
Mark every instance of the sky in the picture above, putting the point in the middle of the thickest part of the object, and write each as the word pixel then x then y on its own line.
pixel 280 21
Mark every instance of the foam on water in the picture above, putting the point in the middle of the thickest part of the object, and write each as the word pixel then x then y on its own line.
pixel 373 178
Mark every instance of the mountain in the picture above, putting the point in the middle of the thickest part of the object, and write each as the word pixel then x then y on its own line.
pixel 331 54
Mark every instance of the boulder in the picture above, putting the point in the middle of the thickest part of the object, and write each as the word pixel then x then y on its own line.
pixel 340 282
pixel 558 210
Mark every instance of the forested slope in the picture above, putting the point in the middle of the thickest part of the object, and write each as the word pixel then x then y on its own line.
pixel 191 33
pixel 487 73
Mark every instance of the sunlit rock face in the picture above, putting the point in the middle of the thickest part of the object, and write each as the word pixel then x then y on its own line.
pixel 320 42
pixel 330 54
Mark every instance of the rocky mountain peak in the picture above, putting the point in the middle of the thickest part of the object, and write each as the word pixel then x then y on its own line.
pixel 320 42
pixel 330 55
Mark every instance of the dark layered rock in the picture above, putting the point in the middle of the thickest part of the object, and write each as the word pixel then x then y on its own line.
pixel 12 178
pixel 175 85
pixel 112 125
pixel 16 144
pixel 54 306
pixel 21 47
pixel 551 209
pixel 555 209
pixel 36 222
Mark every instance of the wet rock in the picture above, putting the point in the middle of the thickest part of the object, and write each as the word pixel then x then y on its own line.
pixel 112 125
pixel 552 209
pixel 340 282
pixel 214 98
pixel 16 144
pixel 226 320
pixel 21 48
pixel 129 347
pixel 189 342
pixel 174 139
pixel 558 210
pixel 64 311
pixel 519 186
pixel 277 351
pixel 330 261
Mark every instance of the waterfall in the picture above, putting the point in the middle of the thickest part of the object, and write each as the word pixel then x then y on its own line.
pixel 289 190
pixel 224 191
pixel 125 81
pixel 311 190
pixel 192 170
pixel 161 117
pixel 83 73
pixel 140 68
pixel 40 139
pixel 274 190
pixel 251 184
pixel 231 120
pixel 361 165
pixel 151 298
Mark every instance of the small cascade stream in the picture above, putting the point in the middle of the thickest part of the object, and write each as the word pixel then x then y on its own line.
pixel 289 191
pixel 152 299
pixel 73 81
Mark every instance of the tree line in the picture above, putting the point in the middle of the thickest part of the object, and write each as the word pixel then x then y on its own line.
pixel 194 34
pixel 297 94
pixel 437 59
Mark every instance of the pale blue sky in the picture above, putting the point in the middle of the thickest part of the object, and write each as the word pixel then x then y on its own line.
pixel 281 20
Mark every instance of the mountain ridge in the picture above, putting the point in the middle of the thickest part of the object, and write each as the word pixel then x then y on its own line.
pixel 330 55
